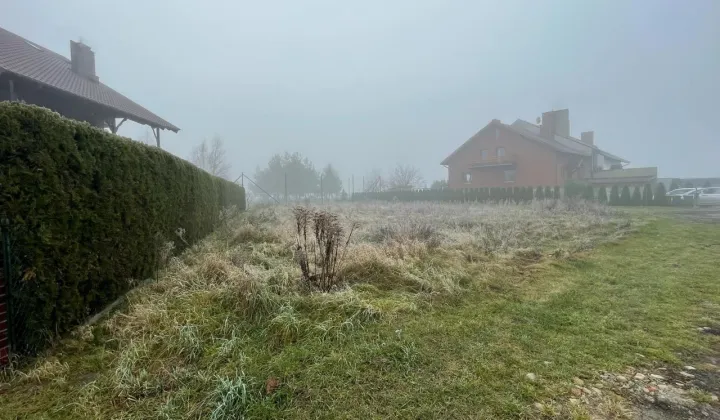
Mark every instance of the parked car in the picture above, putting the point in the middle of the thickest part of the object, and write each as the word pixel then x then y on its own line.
pixel 683 194
pixel 709 197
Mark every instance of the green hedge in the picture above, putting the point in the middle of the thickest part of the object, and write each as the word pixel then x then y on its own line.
pixel 615 197
pixel 88 211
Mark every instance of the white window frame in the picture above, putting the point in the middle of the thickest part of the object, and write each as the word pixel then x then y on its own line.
pixel 467 177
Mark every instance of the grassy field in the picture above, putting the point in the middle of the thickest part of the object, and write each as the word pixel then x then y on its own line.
pixel 447 311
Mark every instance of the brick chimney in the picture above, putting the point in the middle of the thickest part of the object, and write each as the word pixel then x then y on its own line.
pixel 588 137
pixel 555 122
pixel 82 60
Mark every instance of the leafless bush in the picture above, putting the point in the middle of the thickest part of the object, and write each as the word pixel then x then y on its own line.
pixel 262 216
pixel 411 230
pixel 405 177
pixel 320 246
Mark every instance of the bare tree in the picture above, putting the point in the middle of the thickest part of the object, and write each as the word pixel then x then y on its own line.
pixel 374 182
pixel 405 177
pixel 439 184
pixel 211 156
pixel 145 138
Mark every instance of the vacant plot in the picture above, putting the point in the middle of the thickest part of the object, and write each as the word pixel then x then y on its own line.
pixel 444 311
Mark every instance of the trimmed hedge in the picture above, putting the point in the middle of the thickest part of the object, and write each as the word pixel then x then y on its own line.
pixel 615 197
pixel 88 211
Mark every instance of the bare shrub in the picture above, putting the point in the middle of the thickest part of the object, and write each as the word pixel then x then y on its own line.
pixel 411 230
pixel 248 233
pixel 319 242
pixel 405 177
pixel 264 215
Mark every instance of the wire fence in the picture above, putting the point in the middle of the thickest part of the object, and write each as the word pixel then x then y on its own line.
pixel 5 309
pixel 286 197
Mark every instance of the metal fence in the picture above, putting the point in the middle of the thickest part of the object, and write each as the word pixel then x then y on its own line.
pixel 5 326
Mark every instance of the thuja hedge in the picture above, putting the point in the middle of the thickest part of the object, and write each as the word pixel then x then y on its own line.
pixel 87 212
pixel 614 196
pixel 518 194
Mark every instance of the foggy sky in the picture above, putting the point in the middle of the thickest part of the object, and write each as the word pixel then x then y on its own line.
pixel 369 84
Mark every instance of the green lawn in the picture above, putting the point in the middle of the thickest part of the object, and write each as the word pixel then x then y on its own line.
pixel 636 301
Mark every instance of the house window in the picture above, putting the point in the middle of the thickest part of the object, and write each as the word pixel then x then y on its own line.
pixel 467 177
pixel 500 152
pixel 484 154
pixel 510 175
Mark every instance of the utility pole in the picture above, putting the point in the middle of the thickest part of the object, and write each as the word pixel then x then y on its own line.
pixel 322 200
pixel 286 188
pixel 353 184
pixel 363 190
pixel 242 184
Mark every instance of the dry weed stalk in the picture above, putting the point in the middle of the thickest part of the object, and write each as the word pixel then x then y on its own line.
pixel 320 237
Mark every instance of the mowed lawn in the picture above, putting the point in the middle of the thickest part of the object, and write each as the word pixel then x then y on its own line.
pixel 636 301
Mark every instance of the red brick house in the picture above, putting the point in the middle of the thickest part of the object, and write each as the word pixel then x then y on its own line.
pixel 523 154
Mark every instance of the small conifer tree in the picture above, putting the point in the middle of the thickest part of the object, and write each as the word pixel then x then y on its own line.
pixel 614 196
pixel 625 197
pixel 602 195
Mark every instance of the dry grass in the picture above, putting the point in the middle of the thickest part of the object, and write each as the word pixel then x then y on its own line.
pixel 218 309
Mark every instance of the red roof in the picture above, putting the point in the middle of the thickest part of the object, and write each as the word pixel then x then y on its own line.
pixel 29 60
pixel 571 146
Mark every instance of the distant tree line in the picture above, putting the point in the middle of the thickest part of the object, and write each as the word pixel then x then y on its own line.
pixel 401 178
pixel 296 176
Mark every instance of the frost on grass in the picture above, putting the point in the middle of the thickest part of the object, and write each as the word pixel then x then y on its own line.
pixel 232 397
pixel 175 349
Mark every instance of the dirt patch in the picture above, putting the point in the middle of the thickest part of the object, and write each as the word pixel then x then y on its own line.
pixel 646 393
pixel 667 393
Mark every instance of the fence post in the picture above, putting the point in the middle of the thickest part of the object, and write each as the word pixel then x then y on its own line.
pixel 5 327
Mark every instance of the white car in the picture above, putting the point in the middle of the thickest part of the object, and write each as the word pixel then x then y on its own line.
pixel 683 193
pixel 709 197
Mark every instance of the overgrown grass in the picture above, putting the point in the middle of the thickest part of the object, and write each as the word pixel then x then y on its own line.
pixel 417 330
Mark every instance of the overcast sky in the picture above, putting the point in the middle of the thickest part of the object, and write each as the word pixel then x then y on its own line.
pixel 371 83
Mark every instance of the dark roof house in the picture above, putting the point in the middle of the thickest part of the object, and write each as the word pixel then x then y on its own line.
pixel 34 74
